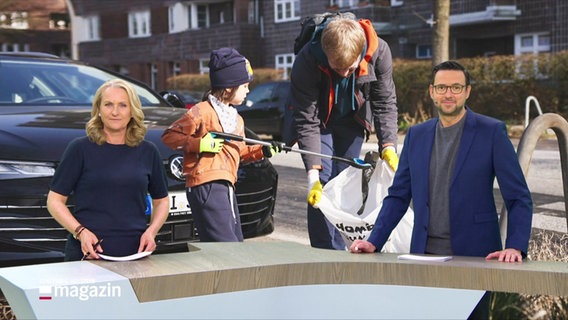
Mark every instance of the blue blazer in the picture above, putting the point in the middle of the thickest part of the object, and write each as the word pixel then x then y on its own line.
pixel 485 152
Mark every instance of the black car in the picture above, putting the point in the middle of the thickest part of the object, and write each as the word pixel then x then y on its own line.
pixel 265 108
pixel 189 99
pixel 45 102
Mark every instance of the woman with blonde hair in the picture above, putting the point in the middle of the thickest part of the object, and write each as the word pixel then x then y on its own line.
pixel 110 172
pixel 135 130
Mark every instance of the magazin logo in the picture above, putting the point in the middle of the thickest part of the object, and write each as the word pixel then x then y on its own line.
pixel 81 292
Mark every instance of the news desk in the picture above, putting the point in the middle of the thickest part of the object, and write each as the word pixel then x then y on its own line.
pixel 270 280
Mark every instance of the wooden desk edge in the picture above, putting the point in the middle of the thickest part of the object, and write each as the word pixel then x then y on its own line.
pixel 211 268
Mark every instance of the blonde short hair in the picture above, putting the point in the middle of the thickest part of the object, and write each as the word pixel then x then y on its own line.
pixel 135 130
pixel 343 41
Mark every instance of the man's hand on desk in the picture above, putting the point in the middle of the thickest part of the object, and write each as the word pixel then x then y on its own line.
pixel 362 246
pixel 507 255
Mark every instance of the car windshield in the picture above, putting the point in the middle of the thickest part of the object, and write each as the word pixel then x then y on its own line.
pixel 261 93
pixel 29 83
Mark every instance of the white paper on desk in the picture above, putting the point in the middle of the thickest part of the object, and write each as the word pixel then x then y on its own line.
pixel 131 257
pixel 423 258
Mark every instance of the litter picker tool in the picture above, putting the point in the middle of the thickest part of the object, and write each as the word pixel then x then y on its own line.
pixel 355 162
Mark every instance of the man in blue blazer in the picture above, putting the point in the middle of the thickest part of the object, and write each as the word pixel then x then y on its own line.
pixel 447 168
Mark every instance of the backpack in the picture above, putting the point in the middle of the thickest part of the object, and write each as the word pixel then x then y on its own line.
pixel 310 24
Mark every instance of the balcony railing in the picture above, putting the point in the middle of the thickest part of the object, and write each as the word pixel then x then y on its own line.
pixel 477 12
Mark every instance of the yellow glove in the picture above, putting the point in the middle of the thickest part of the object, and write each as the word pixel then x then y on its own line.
pixel 314 196
pixel 210 144
pixel 389 155
pixel 315 188
pixel 270 151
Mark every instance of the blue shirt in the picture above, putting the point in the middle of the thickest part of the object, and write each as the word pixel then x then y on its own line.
pixel 109 184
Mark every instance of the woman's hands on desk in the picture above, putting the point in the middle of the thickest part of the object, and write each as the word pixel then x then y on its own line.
pixel 160 212
pixel 147 241
pixel 90 244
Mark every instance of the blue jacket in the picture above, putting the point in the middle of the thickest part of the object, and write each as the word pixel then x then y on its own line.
pixel 485 152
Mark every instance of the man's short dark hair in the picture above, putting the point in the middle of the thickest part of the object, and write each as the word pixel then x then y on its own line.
pixel 451 65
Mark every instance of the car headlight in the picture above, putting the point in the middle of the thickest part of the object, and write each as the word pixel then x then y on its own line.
pixel 23 169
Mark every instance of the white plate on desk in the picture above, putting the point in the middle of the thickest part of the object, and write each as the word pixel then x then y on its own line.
pixel 131 257
pixel 421 257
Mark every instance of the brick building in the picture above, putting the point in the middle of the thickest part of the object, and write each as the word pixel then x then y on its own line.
pixel 35 25
pixel 152 40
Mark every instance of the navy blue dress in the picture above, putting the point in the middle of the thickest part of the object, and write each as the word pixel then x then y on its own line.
pixel 109 184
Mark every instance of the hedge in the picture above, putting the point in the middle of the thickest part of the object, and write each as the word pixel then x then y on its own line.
pixel 200 82
pixel 500 85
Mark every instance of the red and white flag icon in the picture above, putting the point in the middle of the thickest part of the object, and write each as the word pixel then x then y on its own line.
pixel 45 293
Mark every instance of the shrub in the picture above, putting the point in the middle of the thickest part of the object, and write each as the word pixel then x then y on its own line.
pixel 200 82
pixel 501 85
pixel 544 246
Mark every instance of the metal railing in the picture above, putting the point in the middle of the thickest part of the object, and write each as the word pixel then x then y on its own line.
pixel 527 145
pixel 528 106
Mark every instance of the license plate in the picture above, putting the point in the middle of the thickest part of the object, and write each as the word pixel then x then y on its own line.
pixel 178 204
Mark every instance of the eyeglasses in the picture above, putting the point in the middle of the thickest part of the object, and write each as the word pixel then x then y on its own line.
pixel 454 88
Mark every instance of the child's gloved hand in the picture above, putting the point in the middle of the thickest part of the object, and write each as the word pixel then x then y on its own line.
pixel 390 156
pixel 269 151
pixel 210 144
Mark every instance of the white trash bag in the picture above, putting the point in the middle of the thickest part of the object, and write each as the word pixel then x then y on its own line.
pixel 342 199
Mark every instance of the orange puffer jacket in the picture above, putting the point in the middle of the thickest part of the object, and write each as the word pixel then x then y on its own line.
pixel 186 133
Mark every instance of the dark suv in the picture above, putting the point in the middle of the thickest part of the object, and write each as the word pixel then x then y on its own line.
pixel 265 108
pixel 45 102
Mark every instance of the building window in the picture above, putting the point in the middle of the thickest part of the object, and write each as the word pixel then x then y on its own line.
pixel 58 21
pixel 92 24
pixel 344 3
pixel 20 20
pixel 532 43
pixel 203 66
pixel 153 76
pixel 176 69
pixel 253 15
pixel 197 16
pixel 139 24
pixel 286 10
pixel 397 3
pixel 177 14
pixel 202 16
pixel 423 51
pixel 123 70
pixel 171 19
pixel 527 42
pixel 14 47
pixel 14 20
pixel 284 62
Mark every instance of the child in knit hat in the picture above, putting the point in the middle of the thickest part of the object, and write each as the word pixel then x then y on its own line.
pixel 210 164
